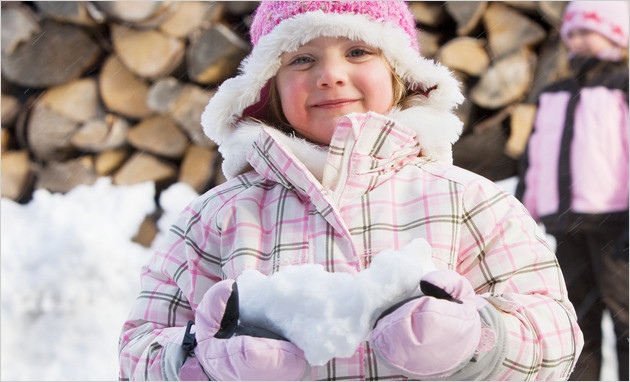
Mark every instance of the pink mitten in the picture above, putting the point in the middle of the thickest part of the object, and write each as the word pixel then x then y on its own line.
pixel 431 336
pixel 228 351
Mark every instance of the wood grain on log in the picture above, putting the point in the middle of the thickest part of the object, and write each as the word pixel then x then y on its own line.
pixel 510 31
pixel 465 54
pixel 122 91
pixel 143 167
pixel 467 14
pixel 38 63
pixel 215 55
pixel 197 169
pixel 149 54
pixel 16 173
pixel 159 135
pixel 506 81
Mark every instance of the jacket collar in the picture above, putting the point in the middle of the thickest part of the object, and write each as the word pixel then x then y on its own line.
pixel 435 131
pixel 366 150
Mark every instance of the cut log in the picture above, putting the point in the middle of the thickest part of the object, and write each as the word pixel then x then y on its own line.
pixel 184 103
pixel 19 26
pixel 428 13
pixel 465 54
pixel 76 100
pixel 146 14
pixel 186 111
pixel 109 161
pixel 552 11
pixel 192 15
pixel 159 135
pixel 528 7
pixel 16 174
pixel 10 109
pixel 215 55
pixel 122 91
pixel 49 134
pixel 149 54
pixel 197 168
pixel 509 31
pixel 504 82
pixel 467 14
pixel 64 176
pixel 163 93
pixel 74 12
pixel 147 231
pixel 521 123
pixel 100 134
pixel 46 60
pixel 143 167
pixel 6 139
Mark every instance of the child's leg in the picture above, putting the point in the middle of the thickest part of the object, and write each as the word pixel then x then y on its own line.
pixel 614 287
pixel 573 257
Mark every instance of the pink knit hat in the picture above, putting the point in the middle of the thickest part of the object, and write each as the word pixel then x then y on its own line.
pixel 271 13
pixel 608 18
pixel 284 26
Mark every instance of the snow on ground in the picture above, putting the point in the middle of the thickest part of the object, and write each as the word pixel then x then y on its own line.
pixel 70 273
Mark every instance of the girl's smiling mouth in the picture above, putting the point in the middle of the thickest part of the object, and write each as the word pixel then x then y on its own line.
pixel 334 104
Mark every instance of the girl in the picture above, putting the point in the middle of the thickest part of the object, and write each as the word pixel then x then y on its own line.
pixel 336 138
pixel 575 179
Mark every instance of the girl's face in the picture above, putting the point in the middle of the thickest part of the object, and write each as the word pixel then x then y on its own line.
pixel 586 43
pixel 328 78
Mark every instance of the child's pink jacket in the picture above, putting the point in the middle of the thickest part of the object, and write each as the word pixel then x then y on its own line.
pixel 599 149
pixel 376 194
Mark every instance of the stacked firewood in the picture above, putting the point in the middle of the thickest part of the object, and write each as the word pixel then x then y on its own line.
pixel 93 89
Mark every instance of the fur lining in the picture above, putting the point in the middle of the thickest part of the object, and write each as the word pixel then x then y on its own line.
pixel 235 94
pixel 313 156
pixel 436 132
pixel 236 148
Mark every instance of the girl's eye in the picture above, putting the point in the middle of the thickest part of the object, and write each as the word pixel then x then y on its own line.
pixel 301 60
pixel 358 52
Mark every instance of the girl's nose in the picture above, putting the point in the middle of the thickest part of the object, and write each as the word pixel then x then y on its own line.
pixel 331 73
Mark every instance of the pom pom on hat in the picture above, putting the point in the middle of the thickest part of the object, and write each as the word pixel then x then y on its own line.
pixel 608 18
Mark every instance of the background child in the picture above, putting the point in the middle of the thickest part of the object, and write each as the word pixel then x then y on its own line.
pixel 575 179
pixel 336 137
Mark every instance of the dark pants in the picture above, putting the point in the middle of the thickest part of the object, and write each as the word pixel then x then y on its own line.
pixel 594 262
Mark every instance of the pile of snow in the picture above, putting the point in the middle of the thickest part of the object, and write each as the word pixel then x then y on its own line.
pixel 70 274
pixel 339 309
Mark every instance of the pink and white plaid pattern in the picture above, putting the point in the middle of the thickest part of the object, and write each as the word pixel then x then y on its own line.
pixel 376 194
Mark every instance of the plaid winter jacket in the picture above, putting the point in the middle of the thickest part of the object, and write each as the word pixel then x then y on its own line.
pixel 376 193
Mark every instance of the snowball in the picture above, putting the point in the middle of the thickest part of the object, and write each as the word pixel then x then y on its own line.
pixel 328 315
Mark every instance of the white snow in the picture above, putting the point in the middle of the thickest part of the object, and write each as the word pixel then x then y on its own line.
pixel 70 274
pixel 339 309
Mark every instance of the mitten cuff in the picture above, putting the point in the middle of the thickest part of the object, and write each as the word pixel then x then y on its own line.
pixel 491 349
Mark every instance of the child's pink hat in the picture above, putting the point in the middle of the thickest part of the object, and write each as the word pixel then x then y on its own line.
pixel 283 26
pixel 269 14
pixel 608 18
